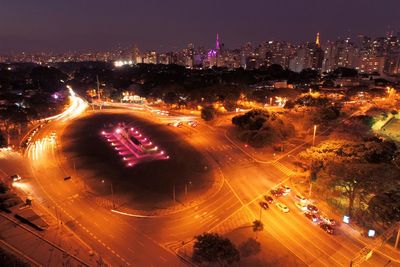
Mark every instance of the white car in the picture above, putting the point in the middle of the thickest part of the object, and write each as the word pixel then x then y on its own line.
pixel 286 189
pixel 282 207
pixel 301 198
pixel 301 206
pixel 16 178
pixel 324 218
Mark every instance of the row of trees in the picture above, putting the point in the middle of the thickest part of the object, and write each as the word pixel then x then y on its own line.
pixel 321 108
pixel 365 173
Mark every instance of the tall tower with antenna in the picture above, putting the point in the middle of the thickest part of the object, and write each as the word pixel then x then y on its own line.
pixel 317 41
pixel 217 44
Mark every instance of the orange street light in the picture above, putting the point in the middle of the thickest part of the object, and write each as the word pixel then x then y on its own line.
pixel 315 131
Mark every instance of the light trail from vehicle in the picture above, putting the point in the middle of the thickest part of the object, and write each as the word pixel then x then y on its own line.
pixel 77 106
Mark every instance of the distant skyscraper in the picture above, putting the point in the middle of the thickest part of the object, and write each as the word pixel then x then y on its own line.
pixel 214 54
pixel 316 55
pixel 136 55
pixel 317 41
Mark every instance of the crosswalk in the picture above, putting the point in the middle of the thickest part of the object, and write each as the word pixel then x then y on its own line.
pixel 103 202
pixel 283 168
pixel 241 218
pixel 220 148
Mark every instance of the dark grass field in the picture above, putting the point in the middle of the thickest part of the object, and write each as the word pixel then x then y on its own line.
pixel 148 185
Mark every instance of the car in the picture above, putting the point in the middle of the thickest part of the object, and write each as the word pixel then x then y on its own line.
pixel 325 219
pixel 311 216
pixel 312 208
pixel 264 205
pixel 301 198
pixel 282 207
pixel 276 193
pixel 269 199
pixel 301 206
pixel 192 123
pixel 286 189
pixel 16 178
pixel 327 228
pixel 175 124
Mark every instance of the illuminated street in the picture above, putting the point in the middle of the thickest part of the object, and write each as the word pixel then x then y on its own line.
pixel 232 204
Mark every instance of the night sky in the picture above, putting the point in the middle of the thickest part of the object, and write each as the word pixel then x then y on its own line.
pixel 87 25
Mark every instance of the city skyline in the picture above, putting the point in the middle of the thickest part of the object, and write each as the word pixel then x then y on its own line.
pixel 83 27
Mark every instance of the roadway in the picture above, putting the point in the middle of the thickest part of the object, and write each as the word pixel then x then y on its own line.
pixel 125 240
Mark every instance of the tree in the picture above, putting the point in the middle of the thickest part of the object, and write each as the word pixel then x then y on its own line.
pixel 259 128
pixel 361 180
pixel 208 113
pixel 368 151
pixel 385 207
pixel 212 248
pixel 171 98
pixel 311 100
pixel 289 104
pixel 3 142
pixel 258 226
pixel 251 120
pixel 249 247
pixel 325 114
pixel 344 72
pixel 3 188
pixel 328 83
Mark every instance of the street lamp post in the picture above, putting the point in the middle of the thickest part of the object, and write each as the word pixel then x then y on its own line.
pixel 173 193
pixel 315 131
pixel 74 166
pixel 187 187
pixel 112 193
pixel 112 196
pixel 397 238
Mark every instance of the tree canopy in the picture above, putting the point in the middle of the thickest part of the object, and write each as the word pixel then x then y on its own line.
pixel 259 128
pixel 385 207
pixel 212 248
